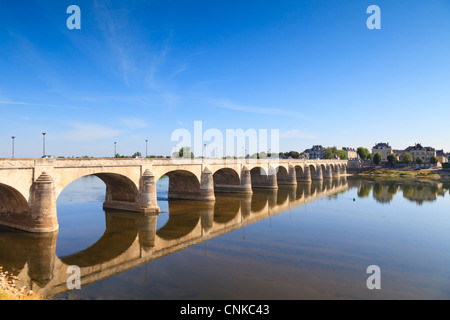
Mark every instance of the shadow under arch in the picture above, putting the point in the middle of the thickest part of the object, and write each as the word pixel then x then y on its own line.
pixel 118 187
pixel 262 179
pixel 312 170
pixel 183 185
pixel 282 175
pixel 14 209
pixel 299 172
pixel 225 177
pixel 323 168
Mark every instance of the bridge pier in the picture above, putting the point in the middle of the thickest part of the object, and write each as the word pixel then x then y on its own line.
pixel 336 172
pixel 292 176
pixel 207 186
pixel 306 177
pixel 43 207
pixel 147 193
pixel 328 172
pixel 246 181
pixel 317 174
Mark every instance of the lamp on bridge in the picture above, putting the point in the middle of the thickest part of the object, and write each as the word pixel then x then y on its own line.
pixel 146 143
pixel 13 145
pixel 43 143
pixel 115 153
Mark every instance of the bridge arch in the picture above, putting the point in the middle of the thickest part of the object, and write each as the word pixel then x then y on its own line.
pixel 118 187
pixel 299 172
pixel 262 178
pixel 225 180
pixel 121 191
pixel 312 169
pixel 258 176
pixel 183 184
pixel 14 209
pixel 282 175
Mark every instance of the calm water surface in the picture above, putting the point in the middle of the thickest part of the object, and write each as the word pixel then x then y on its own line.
pixel 312 241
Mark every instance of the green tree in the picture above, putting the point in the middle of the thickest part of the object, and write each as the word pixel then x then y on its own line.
pixel 329 153
pixel 292 154
pixel 391 158
pixel 185 152
pixel 407 158
pixel 433 160
pixel 419 160
pixel 136 154
pixel 342 154
pixel 377 158
pixel 363 153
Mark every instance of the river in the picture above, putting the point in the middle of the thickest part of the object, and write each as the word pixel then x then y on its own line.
pixel 312 241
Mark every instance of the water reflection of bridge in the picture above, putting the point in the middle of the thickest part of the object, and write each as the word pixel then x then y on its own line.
pixel 131 240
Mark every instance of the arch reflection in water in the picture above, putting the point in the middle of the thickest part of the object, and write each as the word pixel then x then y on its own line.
pixel 132 239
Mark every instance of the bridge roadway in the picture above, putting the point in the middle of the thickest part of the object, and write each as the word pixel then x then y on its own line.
pixel 131 240
pixel 29 188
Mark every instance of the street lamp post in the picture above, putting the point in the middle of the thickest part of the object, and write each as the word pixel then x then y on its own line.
pixel 43 143
pixel 115 153
pixel 13 145
pixel 146 143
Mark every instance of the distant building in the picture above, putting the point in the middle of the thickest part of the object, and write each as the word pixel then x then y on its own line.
pixel 350 153
pixel 384 149
pixel 419 151
pixel 316 152
pixel 442 156
pixel 397 153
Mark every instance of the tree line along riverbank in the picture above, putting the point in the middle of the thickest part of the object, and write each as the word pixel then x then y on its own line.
pixel 436 174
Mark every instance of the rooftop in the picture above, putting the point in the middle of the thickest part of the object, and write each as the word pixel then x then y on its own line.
pixel 418 146
pixel 381 145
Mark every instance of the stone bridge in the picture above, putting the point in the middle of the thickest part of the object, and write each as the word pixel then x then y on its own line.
pixel 29 188
pixel 131 240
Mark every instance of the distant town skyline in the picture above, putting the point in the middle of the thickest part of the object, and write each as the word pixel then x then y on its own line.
pixel 139 70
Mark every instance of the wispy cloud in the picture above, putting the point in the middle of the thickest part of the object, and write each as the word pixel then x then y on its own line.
pixel 90 132
pixel 114 27
pixel 296 133
pixel 127 45
pixel 134 123
pixel 179 70
pixel 226 104
pixel 45 105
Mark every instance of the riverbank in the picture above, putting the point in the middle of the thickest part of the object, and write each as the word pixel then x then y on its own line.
pixel 435 174
pixel 9 290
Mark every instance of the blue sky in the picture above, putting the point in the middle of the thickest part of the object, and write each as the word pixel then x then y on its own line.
pixel 139 70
